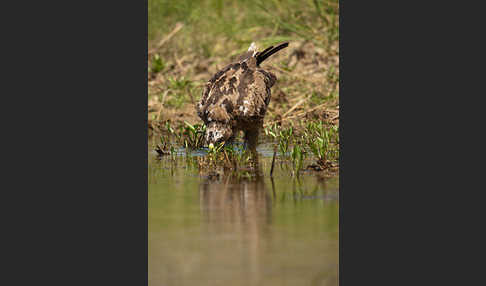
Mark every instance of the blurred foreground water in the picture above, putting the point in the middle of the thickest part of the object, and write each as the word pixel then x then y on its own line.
pixel 220 227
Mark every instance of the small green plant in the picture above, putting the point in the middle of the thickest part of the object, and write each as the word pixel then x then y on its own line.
pixel 323 141
pixel 157 65
pixel 176 101
pixel 165 148
pixel 190 136
pixel 297 155
pixel 318 148
pixel 285 136
pixel 272 131
pixel 179 83
pixel 180 88
pixel 193 135
pixel 170 130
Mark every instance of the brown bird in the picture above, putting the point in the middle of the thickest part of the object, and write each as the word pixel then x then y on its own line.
pixel 236 98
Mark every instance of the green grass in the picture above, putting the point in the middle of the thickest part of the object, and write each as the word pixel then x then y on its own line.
pixel 182 90
pixel 213 26
pixel 157 64
pixel 317 141
pixel 316 138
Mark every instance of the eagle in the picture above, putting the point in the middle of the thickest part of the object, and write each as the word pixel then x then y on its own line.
pixel 236 98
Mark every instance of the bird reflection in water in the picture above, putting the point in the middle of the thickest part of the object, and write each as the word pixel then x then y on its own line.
pixel 238 206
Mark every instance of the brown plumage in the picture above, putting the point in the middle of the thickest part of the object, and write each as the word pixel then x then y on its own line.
pixel 236 98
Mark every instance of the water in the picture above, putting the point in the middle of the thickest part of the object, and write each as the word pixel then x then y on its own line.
pixel 209 228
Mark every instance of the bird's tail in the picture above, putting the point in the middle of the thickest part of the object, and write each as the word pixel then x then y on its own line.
pixel 261 56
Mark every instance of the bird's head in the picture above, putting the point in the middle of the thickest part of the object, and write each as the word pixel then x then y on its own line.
pixel 217 132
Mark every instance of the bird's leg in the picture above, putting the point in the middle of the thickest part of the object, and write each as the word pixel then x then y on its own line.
pixel 251 139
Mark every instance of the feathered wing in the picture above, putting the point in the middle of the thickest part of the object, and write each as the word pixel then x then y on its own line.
pixel 241 90
pixel 254 95
pixel 212 92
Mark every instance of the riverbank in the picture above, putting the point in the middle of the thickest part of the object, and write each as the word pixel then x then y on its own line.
pixel 190 41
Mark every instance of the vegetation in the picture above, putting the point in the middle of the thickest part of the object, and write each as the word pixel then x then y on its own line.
pixel 190 40
pixel 315 141
pixel 239 22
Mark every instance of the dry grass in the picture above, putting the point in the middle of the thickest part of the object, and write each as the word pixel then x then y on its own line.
pixel 305 88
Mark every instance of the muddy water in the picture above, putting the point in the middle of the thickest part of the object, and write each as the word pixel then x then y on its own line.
pixel 212 228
